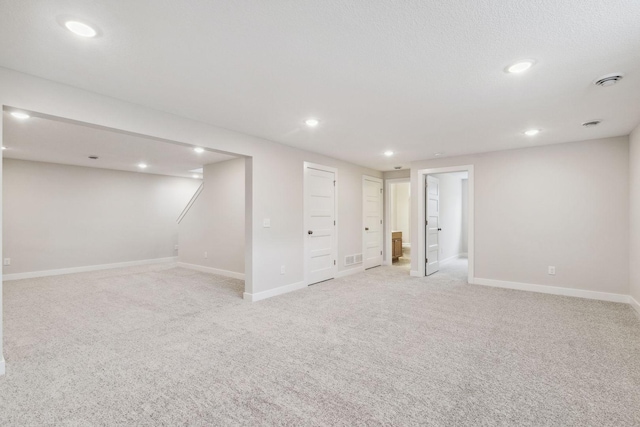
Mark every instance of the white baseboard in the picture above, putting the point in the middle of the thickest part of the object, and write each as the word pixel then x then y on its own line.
pixel 554 290
pixel 2 367
pixel 274 292
pixel 406 245
pixel 211 270
pixel 635 305
pixel 349 272
pixel 415 273
pixel 58 272
pixel 451 258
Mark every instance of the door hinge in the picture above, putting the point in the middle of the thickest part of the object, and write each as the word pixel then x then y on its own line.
pixel 334 183
pixel 381 191
pixel 426 260
pixel 334 223
pixel 426 222
pixel 334 262
pixel 380 252
pixel 380 221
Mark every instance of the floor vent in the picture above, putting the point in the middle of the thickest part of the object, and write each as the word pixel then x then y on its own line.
pixel 353 259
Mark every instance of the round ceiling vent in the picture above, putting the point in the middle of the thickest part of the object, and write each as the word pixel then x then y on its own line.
pixel 608 80
pixel 397 167
pixel 93 157
pixel 591 123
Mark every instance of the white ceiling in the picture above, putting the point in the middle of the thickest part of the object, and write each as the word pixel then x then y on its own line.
pixel 45 140
pixel 414 76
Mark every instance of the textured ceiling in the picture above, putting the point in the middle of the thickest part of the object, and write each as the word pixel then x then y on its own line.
pixel 413 76
pixel 44 140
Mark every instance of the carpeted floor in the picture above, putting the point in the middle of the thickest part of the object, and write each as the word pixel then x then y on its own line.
pixel 167 346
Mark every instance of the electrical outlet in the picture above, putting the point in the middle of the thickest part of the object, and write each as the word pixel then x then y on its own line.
pixel 7 261
pixel 206 255
pixel 282 269
pixel 552 270
pixel 266 223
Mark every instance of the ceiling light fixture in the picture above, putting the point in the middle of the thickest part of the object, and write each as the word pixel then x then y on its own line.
pixel 438 154
pixel 592 123
pixel 142 165
pixel 195 176
pixel 198 150
pixel 312 122
pixel 532 132
pixel 388 153
pixel 608 79
pixel 20 115
pixel 520 66
pixel 80 28
pixel 4 148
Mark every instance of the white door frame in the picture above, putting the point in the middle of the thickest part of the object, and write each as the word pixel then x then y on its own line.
pixel 387 215
pixel 420 252
pixel 382 217
pixel 305 222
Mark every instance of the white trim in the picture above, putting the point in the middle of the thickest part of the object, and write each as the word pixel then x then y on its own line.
pixel 406 245
pixel 72 270
pixel 305 166
pixel 553 290
pixel 191 202
pixel 419 255
pixel 387 214
pixel 634 304
pixel 349 272
pixel 2 366
pixel 382 218
pixel 212 270
pixel 274 292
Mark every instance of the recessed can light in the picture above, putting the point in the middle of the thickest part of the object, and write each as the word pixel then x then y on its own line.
pixel 198 150
pixel 388 153
pixel 80 28
pixel 520 66
pixel 195 176
pixel 438 154
pixel 20 115
pixel 532 132
pixel 312 122
pixel 4 148
pixel 142 165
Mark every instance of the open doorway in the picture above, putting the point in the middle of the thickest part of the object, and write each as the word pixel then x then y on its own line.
pixel 399 224
pixel 445 222
pixel 447 234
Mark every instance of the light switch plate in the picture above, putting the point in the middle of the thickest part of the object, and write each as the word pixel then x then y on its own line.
pixel 552 270
pixel 266 223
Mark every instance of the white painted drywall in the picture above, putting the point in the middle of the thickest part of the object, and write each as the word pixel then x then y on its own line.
pixel 634 214
pixel 60 216
pixel 401 210
pixel 565 205
pixel 215 222
pixel 450 237
pixel 464 229
pixel 275 187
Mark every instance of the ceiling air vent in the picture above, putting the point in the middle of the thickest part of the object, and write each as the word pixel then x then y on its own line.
pixel 609 79
pixel 591 123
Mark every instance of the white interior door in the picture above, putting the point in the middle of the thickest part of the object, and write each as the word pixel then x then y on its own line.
pixel 372 219
pixel 321 225
pixel 432 213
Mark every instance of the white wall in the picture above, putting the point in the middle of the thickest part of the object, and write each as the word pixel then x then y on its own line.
pixel 215 222
pixel 634 215
pixel 464 230
pixel 59 216
pixel 450 237
pixel 401 210
pixel 565 205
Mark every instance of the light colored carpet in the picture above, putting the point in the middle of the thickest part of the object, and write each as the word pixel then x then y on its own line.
pixel 169 346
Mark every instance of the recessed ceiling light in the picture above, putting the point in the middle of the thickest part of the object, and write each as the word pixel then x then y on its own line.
pixel 438 154
pixel 20 115
pixel 80 28
pixel 195 176
pixel 142 165
pixel 4 148
pixel 198 150
pixel 312 122
pixel 388 153
pixel 592 123
pixel 532 132
pixel 608 79
pixel 520 66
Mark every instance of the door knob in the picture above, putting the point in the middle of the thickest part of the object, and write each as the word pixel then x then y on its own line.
pixel 439 229
pixel 309 232
pixel 366 229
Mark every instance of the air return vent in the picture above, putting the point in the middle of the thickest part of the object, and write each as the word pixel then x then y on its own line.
pixel 609 79
pixel 591 123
